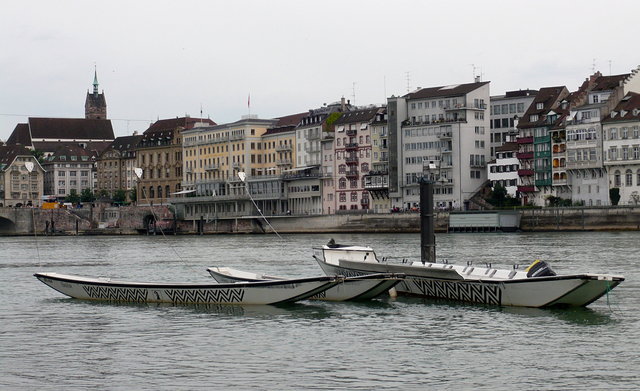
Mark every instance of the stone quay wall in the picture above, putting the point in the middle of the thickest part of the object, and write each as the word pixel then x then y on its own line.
pixel 107 220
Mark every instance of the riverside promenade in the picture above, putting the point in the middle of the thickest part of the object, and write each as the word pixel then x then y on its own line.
pixel 130 220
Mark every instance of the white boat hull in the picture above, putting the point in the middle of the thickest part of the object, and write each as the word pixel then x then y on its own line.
pixel 364 287
pixel 268 292
pixel 447 282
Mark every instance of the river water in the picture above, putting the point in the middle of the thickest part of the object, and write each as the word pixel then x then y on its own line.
pixel 50 342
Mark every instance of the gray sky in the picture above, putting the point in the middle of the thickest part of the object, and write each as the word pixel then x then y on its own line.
pixel 161 59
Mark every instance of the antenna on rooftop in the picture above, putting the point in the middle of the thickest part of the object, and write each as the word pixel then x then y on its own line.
pixel 353 87
pixel 593 66
pixel 384 81
pixel 408 81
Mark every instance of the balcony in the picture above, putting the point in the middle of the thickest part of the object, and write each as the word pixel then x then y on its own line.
pixel 524 140
pixel 212 167
pixel 543 182
pixel 477 165
pixel 351 146
pixel 283 162
pixel 445 136
pixel 352 160
pixel 351 132
pixel 352 174
pixel 526 188
pixel 236 165
pixel 524 155
pixel 283 148
pixel 525 172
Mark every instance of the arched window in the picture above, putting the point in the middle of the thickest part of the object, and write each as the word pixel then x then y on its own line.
pixel 616 179
pixel 159 191
pixel 152 193
pixel 365 167
pixel 342 169
pixel 628 178
pixel 167 191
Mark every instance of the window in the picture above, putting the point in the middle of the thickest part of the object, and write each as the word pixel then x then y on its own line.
pixel 533 118
pixel 354 196
pixel 520 107
pixel 342 183
pixel 616 178
pixel 343 197
pixel 628 178
pixel 539 106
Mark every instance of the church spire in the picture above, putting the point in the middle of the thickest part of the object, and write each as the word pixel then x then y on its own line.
pixel 95 80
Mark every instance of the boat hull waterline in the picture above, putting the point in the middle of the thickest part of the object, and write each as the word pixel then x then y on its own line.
pixel 364 287
pixel 266 292
pixel 472 284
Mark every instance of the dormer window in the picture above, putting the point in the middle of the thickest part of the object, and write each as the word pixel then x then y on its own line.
pixel 595 99
pixel 636 112
pixel 613 114
pixel 539 106
pixel 533 118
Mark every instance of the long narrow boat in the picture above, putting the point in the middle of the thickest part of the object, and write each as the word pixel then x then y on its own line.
pixel 536 287
pixel 363 287
pixel 263 292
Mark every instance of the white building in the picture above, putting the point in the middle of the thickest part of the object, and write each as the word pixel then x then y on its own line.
pixel 621 144
pixel 504 168
pixel 448 125
pixel 585 155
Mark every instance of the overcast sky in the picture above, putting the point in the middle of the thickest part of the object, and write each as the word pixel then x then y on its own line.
pixel 162 59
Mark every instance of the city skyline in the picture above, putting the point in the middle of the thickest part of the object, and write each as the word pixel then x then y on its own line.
pixel 162 60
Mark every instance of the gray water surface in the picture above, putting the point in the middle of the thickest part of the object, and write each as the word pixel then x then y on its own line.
pixel 50 342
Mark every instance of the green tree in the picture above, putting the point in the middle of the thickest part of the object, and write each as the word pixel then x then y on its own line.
pixel 72 197
pixel 39 155
pixel 120 196
pixel 133 195
pixel 103 194
pixel 498 196
pixel 87 195
pixel 614 195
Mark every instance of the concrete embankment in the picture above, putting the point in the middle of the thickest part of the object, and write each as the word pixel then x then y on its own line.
pixel 107 220
pixel 581 219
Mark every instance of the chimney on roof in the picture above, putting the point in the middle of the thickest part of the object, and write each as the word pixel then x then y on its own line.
pixel 477 79
pixel 342 103
pixel 135 132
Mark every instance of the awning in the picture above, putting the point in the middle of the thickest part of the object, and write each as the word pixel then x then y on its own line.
pixel 297 169
pixel 183 192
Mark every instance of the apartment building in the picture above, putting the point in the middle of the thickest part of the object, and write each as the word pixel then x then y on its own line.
pixel 505 112
pixel 160 156
pixel 504 168
pixel 353 158
pixel 21 177
pixel 69 168
pixel 376 182
pixel 448 125
pixel 621 147
pixel 545 113
pixel 585 154
pixel 115 165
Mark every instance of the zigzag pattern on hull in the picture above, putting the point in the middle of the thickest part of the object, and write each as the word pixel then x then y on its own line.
pixel 456 290
pixel 321 295
pixel 205 295
pixel 120 294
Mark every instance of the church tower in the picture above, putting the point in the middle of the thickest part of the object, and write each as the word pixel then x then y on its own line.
pixel 95 106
